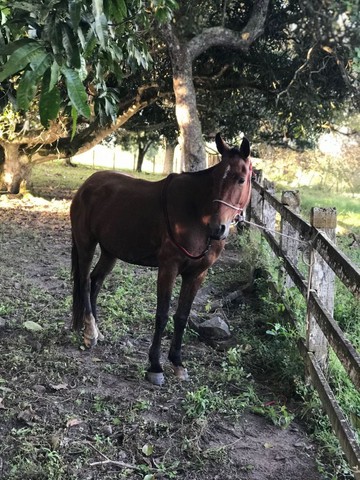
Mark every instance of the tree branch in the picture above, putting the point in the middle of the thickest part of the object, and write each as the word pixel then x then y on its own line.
pixel 225 37
pixel 94 133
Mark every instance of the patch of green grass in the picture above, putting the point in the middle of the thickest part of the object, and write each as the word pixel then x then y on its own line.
pixel 127 299
pixel 55 179
pixel 276 351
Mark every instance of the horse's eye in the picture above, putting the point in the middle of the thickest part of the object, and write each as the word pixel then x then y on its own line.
pixel 241 180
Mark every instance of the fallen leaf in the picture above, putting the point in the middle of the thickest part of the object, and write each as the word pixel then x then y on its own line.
pixel 32 326
pixel 73 422
pixel 60 386
pixel 147 449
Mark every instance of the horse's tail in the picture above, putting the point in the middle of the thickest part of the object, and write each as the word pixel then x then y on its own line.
pixel 78 292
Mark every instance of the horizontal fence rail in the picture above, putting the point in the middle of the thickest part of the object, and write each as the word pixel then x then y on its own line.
pixel 342 266
pixel 262 211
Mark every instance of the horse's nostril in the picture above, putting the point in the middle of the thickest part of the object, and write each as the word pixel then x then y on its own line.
pixel 218 232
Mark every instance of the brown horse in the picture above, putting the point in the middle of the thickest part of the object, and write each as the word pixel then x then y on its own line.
pixel 178 224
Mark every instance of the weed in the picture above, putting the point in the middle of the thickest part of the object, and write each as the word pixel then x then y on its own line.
pixel 232 370
pixel 142 406
pixel 277 414
pixel 201 402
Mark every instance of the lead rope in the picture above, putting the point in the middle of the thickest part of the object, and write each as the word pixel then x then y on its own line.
pixel 168 226
pixel 242 220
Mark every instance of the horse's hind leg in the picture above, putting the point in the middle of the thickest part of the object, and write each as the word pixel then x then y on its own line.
pixel 103 267
pixel 189 287
pixel 82 311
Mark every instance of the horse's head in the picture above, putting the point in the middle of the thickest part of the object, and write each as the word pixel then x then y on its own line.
pixel 232 186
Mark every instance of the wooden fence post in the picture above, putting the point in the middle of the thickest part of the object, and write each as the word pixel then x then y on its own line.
pixel 256 201
pixel 322 280
pixel 268 216
pixel 290 242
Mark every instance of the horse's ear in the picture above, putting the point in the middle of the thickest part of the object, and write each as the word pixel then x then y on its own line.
pixel 220 144
pixel 245 148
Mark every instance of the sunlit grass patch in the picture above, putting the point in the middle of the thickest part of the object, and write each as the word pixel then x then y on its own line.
pixel 55 179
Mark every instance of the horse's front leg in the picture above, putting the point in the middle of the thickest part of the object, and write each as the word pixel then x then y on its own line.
pixel 189 287
pixel 165 283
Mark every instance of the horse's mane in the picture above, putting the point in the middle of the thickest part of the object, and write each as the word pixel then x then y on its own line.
pixel 200 172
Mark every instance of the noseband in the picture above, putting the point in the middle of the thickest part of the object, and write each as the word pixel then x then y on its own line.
pixel 228 205
pixel 239 209
pixel 168 226
pixel 237 218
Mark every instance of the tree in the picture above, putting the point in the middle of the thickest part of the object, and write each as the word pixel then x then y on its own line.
pixel 64 65
pixel 183 52
pixel 285 86
pixel 277 70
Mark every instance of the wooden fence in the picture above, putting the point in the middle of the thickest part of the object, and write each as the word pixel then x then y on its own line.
pixel 324 261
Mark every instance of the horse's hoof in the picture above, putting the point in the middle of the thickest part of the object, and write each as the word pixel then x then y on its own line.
pixel 100 335
pixel 90 342
pixel 181 373
pixel 157 379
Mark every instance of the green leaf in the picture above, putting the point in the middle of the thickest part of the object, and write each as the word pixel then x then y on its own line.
pixel 26 91
pixel 76 91
pixel 32 326
pixel 11 47
pixel 27 6
pixel 55 73
pixel 70 46
pixel 115 9
pixel 49 104
pixel 90 44
pixel 100 24
pixel 121 6
pixel 75 13
pixel 40 63
pixel 20 58
pixel 28 83
pixel 101 29
pixel 148 449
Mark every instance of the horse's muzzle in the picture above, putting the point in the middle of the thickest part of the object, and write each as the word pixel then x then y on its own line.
pixel 219 232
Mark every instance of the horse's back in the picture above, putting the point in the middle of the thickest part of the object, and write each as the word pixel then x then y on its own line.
pixel 121 213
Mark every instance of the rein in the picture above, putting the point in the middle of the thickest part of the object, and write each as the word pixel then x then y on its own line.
pixel 168 226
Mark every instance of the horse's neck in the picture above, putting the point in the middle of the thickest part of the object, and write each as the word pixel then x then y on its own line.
pixel 196 190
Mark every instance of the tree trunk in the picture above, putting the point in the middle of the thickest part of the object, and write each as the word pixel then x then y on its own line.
pixel 143 146
pixel 183 53
pixel 140 159
pixel 169 157
pixel 192 147
pixel 14 167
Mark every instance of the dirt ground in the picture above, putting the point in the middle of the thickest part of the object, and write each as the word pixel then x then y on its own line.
pixel 67 413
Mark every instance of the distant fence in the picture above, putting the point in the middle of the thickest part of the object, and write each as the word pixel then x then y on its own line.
pixel 325 261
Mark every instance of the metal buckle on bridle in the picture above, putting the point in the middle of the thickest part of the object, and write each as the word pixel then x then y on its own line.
pixel 238 219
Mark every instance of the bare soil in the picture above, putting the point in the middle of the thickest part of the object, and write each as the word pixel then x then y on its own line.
pixel 67 413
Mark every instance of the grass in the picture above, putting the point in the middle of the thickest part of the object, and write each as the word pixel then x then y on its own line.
pixel 348 214
pixel 50 179
pixel 278 360
pixel 266 352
